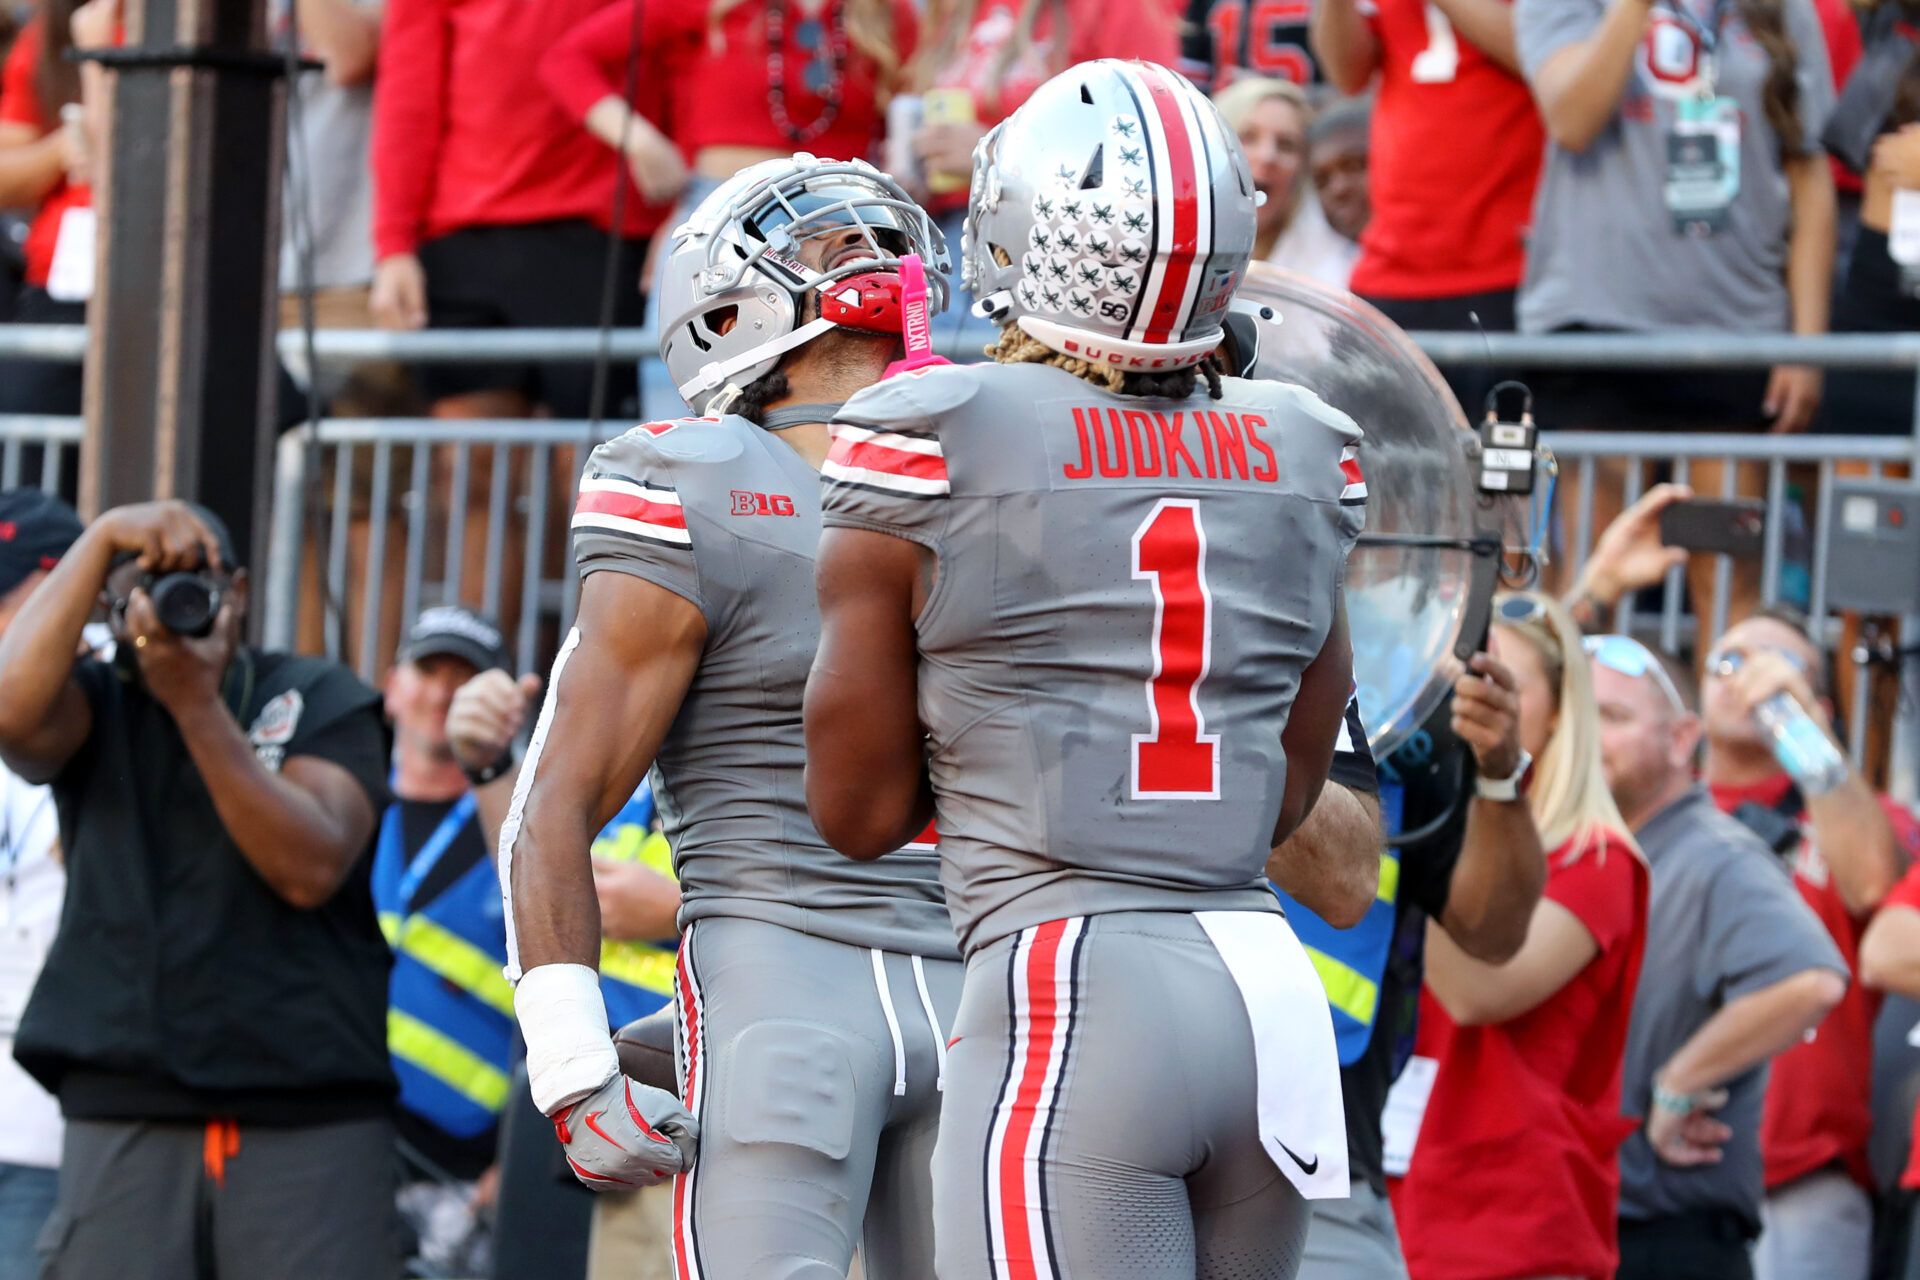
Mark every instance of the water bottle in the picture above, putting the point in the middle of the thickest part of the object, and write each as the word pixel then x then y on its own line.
pixel 1801 746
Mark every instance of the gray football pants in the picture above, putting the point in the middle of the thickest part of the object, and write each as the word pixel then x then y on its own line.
pixel 1100 1114
pixel 818 1100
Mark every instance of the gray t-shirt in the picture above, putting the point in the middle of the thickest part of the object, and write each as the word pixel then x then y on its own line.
pixel 1724 921
pixel 331 152
pixel 1603 251
pixel 721 513
pixel 1127 594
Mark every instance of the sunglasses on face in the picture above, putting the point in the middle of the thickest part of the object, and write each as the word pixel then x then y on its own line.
pixel 1723 662
pixel 1634 660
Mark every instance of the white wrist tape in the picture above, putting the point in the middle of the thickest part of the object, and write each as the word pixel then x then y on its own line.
pixel 569 1049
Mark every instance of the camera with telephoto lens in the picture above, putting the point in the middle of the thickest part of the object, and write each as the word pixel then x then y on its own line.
pixel 186 603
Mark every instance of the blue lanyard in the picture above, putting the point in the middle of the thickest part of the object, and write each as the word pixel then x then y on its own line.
pixel 1709 35
pixel 432 851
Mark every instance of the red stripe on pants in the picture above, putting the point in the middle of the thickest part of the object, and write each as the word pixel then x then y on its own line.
pixel 1043 1027
pixel 682 1244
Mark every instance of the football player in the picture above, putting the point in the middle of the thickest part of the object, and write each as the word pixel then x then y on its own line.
pixel 1084 603
pixel 814 993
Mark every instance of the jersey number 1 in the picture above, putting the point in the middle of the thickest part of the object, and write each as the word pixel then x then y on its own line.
pixel 1177 759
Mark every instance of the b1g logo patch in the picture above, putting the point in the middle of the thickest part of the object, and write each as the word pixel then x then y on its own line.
pixel 748 503
pixel 273 728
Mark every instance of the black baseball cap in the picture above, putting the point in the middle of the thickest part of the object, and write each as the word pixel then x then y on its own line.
pixel 35 531
pixel 459 632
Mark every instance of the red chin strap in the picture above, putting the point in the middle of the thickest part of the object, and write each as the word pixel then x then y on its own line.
pixel 868 302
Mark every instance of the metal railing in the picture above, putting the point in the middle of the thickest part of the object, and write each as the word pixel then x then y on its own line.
pixel 426 499
pixel 1680 350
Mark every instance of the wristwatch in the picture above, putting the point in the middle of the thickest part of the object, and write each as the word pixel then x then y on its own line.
pixel 1510 788
pixel 481 777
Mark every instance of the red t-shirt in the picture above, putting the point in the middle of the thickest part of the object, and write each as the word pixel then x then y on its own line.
pixel 1516 1169
pixel 714 82
pixel 1907 894
pixel 1456 150
pixel 1143 29
pixel 463 135
pixel 1844 47
pixel 20 104
pixel 1819 1106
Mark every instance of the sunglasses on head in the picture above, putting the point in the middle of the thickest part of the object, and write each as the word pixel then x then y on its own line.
pixel 1519 610
pixel 1630 658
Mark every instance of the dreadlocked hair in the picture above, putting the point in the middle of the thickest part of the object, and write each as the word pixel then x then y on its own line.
pixel 758 394
pixel 1780 94
pixel 1017 346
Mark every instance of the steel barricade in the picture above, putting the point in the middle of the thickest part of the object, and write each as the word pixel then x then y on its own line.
pixel 56 441
pixel 418 514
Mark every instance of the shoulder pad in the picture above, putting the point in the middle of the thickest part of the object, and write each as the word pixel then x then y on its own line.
pixel 688 439
pixel 1312 406
pixel 912 397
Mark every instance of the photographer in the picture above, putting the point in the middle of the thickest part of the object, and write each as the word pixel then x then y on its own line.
pixel 212 1014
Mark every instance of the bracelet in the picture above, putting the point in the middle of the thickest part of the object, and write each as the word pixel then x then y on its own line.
pixel 1679 1104
pixel 492 772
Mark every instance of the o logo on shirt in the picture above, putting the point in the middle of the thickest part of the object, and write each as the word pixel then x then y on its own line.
pixel 1671 56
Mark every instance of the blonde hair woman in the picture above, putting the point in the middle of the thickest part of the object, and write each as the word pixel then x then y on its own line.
pixel 1514 1170
pixel 1270 118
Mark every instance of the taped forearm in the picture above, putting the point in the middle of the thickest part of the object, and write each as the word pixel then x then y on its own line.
pixel 563 1018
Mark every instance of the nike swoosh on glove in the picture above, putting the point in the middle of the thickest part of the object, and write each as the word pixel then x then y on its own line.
pixel 625 1135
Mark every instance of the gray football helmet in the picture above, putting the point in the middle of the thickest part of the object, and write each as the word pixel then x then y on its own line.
pixel 1111 217
pixel 737 258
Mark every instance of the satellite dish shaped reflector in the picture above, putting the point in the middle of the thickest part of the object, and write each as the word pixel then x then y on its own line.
pixel 1404 604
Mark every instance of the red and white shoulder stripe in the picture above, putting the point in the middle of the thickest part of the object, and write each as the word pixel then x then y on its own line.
pixel 1355 492
pixel 900 462
pixel 650 512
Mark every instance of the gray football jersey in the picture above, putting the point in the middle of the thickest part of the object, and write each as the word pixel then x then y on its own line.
pixel 1128 591
pixel 721 513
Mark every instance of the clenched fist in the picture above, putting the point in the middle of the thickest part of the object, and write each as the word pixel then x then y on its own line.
pixel 486 714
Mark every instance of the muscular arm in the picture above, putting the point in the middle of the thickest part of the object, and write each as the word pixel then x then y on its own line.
pixel 1579 86
pixel 1502 868
pixel 1751 1029
pixel 867 783
pixel 44 716
pixel 1475 993
pixel 1344 43
pixel 1313 725
pixel 1331 862
pixel 1488 25
pixel 616 689
pixel 301 829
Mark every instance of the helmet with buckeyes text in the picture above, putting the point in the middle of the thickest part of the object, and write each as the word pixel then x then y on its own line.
pixel 1111 217
pixel 735 283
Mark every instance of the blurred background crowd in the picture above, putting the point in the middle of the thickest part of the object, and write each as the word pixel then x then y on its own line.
pixel 1545 166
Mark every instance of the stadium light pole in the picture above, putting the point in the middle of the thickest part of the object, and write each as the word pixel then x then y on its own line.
pixel 180 388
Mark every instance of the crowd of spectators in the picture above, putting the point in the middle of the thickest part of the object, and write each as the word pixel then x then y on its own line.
pixel 1658 973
